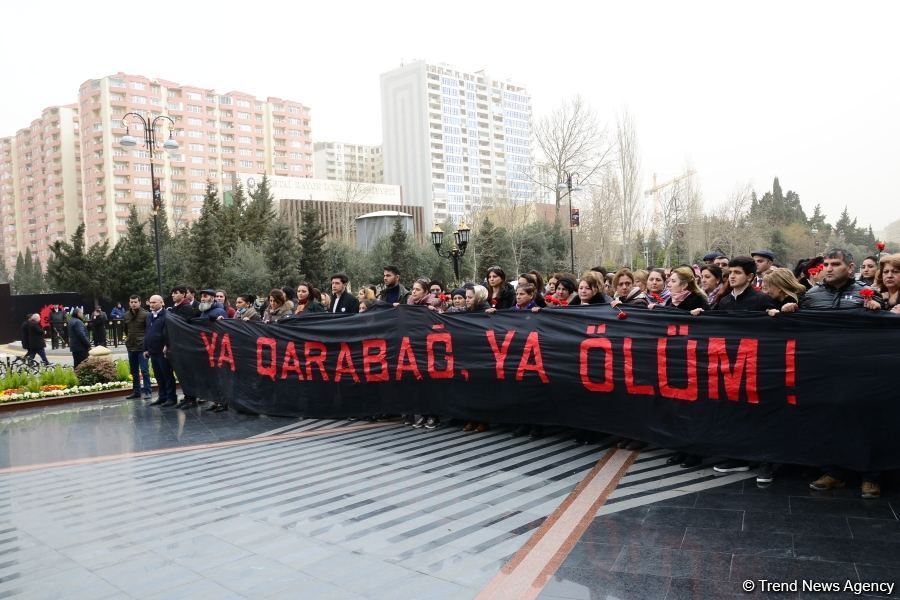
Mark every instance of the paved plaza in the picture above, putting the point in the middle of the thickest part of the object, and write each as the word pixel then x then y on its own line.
pixel 116 499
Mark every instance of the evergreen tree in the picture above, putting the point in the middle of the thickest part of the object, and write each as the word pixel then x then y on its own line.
pixel 231 219
pixel 485 247
pixel 68 269
pixel 134 260
pixel 279 253
pixel 312 244
pixel 259 213
pixel 100 275
pixel 206 257
pixel 19 277
pixel 24 279
pixel 400 250
pixel 844 227
pixel 37 277
pixel 246 271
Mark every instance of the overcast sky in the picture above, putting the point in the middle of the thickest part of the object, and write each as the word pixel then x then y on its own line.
pixel 806 91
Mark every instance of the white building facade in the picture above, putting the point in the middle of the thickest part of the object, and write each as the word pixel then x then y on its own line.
pixel 455 140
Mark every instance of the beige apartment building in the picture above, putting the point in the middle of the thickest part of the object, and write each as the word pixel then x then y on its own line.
pixel 348 162
pixel 69 166
pixel 40 184
pixel 219 135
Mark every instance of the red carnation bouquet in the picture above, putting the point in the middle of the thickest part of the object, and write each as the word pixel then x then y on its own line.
pixel 867 293
pixel 443 297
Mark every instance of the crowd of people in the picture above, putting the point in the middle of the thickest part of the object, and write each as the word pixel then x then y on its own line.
pixel 754 283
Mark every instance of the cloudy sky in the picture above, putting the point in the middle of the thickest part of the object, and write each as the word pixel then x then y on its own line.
pixel 805 91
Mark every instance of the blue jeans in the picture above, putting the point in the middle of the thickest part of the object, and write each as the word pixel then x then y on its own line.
pixel 165 377
pixel 139 367
pixel 29 356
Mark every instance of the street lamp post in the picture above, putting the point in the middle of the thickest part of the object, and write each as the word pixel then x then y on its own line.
pixel 170 146
pixel 568 187
pixel 461 239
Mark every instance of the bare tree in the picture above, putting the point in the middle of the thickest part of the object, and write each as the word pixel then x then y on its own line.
pixel 570 139
pixel 731 231
pixel 628 166
pixel 600 223
pixel 351 195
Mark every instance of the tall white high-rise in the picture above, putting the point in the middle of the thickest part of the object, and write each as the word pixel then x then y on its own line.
pixel 455 140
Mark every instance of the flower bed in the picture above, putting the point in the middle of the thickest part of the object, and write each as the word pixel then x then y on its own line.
pixel 55 393
pixel 59 381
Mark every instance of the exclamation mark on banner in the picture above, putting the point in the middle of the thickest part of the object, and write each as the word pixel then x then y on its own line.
pixel 790 369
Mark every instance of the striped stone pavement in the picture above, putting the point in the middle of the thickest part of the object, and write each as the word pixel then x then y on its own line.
pixel 317 508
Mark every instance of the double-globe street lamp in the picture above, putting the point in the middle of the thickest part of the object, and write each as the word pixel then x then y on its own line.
pixel 461 237
pixel 568 187
pixel 170 146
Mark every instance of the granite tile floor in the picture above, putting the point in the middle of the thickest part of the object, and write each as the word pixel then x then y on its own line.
pixel 706 544
pixel 83 430
pixel 393 512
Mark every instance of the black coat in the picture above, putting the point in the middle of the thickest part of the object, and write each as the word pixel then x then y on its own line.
pixel 749 300
pixel 505 299
pixel 185 310
pixel 35 336
pixel 690 303
pixel 78 337
pixel 346 303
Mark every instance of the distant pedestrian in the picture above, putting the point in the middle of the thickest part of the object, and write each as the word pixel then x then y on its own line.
pixel 79 342
pixel 35 338
pixel 98 326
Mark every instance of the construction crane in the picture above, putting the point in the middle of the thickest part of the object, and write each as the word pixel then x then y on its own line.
pixel 660 209
pixel 655 190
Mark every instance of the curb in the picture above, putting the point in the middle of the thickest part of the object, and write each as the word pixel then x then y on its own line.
pixel 56 400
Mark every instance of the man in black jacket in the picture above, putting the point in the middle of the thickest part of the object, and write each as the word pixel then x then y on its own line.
pixel 79 342
pixel 184 308
pixel 155 350
pixel 743 295
pixel 135 324
pixel 35 337
pixel 342 301
pixel 839 292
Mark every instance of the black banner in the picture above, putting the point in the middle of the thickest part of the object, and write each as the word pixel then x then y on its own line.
pixel 808 388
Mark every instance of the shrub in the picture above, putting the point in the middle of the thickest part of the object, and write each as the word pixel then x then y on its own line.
pixel 123 370
pixel 58 375
pixel 96 369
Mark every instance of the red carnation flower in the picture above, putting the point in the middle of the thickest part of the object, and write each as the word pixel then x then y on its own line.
pixel 622 314
pixel 880 246
pixel 443 297
pixel 563 302
pixel 493 302
pixel 867 293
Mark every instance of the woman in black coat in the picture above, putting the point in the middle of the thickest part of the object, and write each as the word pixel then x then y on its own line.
pixel 500 294
pixel 684 293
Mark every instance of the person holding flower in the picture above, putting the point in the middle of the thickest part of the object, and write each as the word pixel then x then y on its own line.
pixel 500 293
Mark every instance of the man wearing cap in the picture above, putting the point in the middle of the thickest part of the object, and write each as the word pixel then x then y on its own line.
pixel 765 259
pixel 209 308
pixel 711 257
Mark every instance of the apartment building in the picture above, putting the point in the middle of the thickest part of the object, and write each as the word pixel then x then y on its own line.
pixel 455 140
pixel 218 134
pixel 348 162
pixel 40 184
